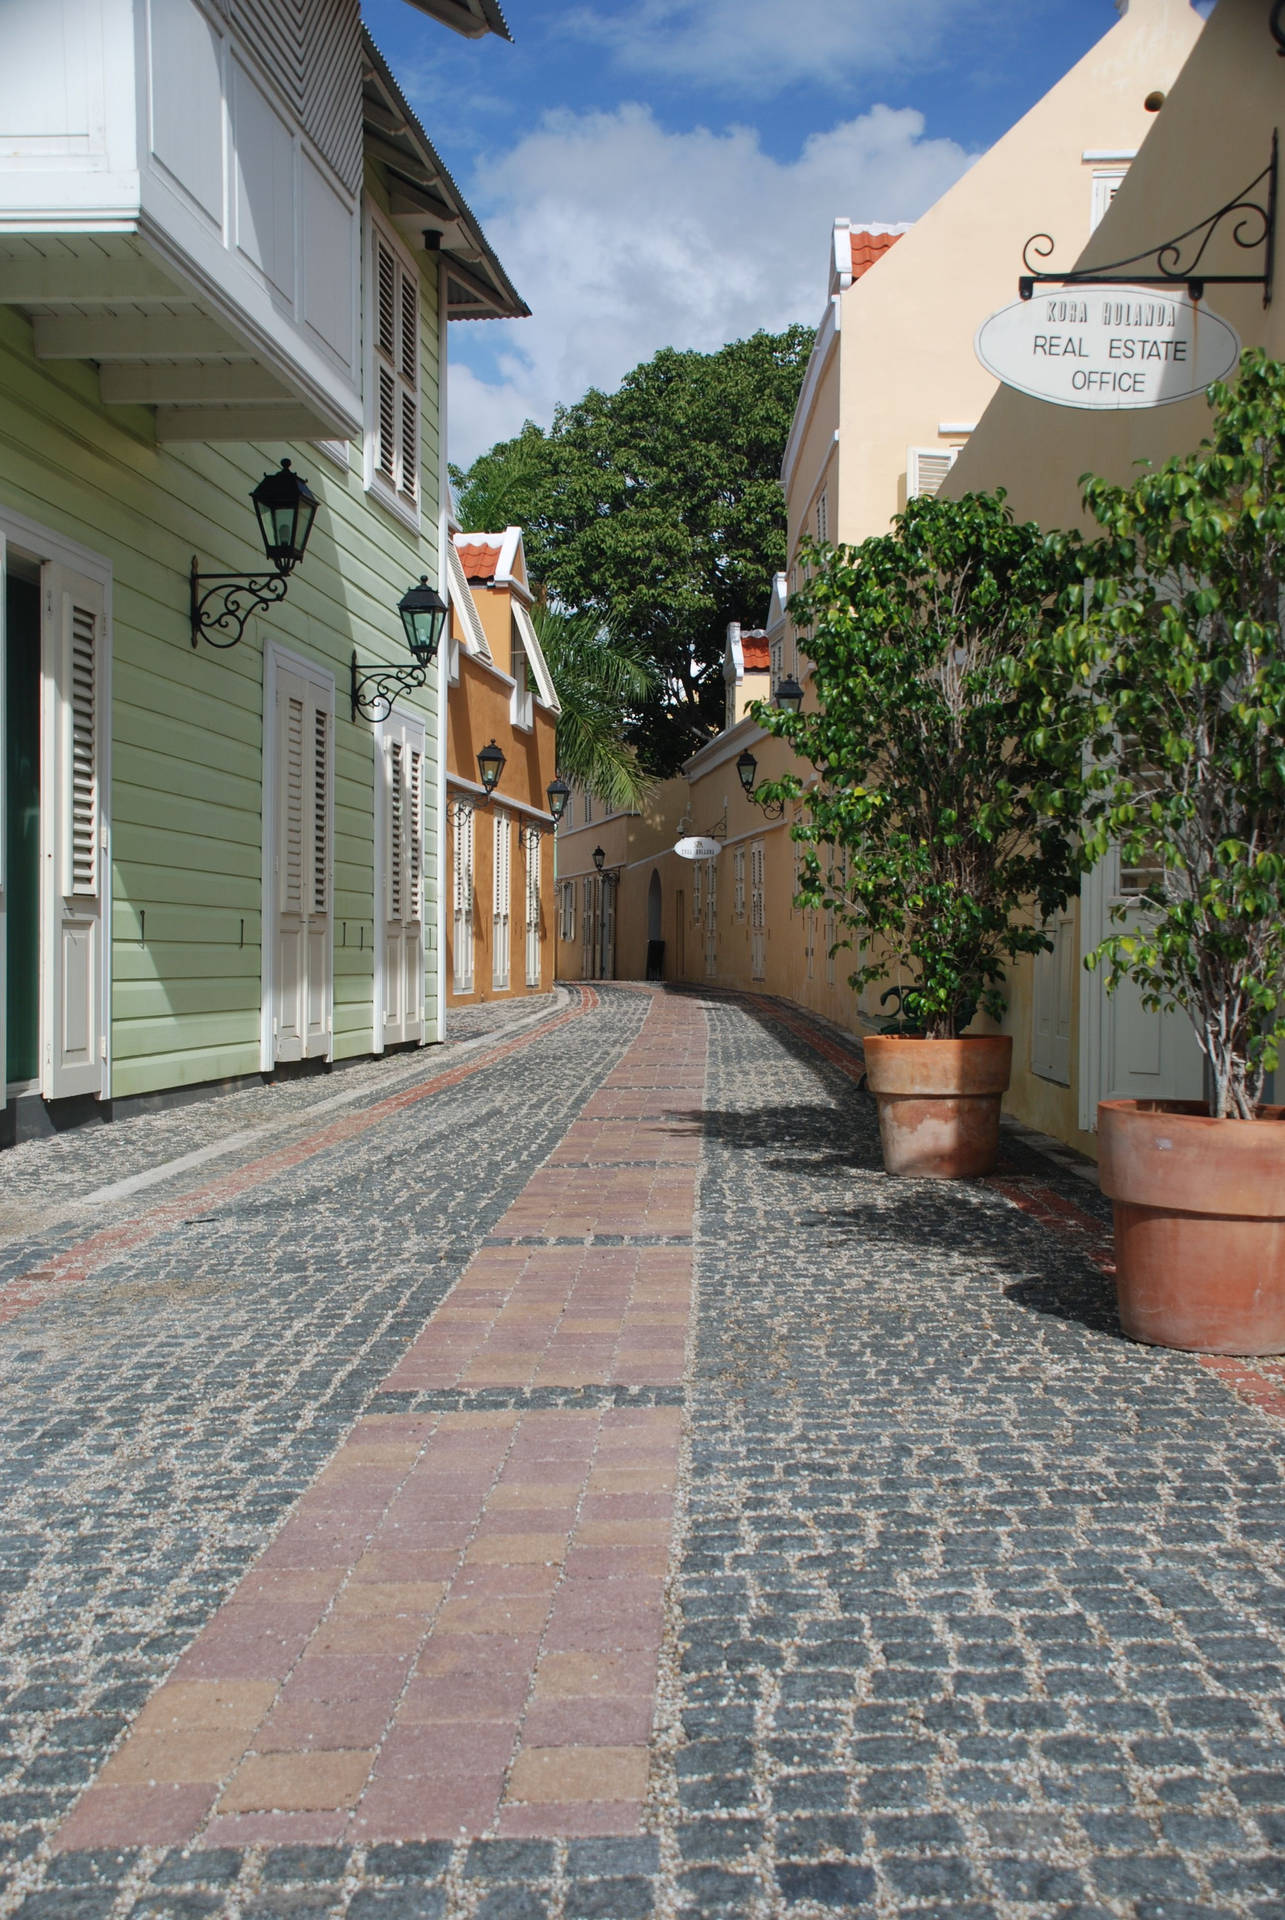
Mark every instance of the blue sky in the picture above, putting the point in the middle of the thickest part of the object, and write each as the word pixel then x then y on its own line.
pixel 665 172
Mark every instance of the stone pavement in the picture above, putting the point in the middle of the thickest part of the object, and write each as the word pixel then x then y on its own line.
pixel 566 1478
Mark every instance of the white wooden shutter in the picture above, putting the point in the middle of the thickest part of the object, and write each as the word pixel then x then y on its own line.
pixel 758 915
pixel 587 919
pixel 462 898
pixel 532 837
pixel 75 1049
pixel 402 958
pixel 711 918
pixel 501 896
pixel 738 883
pixel 697 875
pixel 303 863
pixel 926 468
pixel 395 425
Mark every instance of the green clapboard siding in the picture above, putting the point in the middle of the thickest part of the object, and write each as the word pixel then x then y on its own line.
pixel 186 797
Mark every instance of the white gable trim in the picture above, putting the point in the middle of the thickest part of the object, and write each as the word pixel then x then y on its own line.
pixel 460 595
pixel 535 654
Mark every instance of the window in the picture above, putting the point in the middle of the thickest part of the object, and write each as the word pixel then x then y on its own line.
pixel 823 516
pixel 520 712
pixel 738 883
pixel 698 869
pixel 533 956
pixel 567 922
pixel 776 665
pixel 1107 182
pixel 588 810
pixel 392 456
pixel 926 468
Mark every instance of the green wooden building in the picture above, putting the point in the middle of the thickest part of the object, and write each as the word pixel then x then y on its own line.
pixel 225 240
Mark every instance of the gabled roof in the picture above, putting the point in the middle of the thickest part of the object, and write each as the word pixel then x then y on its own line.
pixel 746 651
pixel 423 194
pixel 858 246
pixel 754 650
pixel 478 558
pixel 471 17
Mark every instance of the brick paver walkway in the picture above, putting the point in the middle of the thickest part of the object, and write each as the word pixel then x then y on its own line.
pixel 568 1480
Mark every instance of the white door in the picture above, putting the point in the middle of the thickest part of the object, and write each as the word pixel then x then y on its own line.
pixel 302 867
pixel 1126 1053
pixel 462 897
pixel 532 837
pixel 758 916
pixel 402 904
pixel 1051 997
pixel 501 898
pixel 74 1043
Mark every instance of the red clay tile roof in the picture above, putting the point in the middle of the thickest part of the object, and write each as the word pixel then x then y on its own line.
pixel 478 559
pixel 754 652
pixel 869 247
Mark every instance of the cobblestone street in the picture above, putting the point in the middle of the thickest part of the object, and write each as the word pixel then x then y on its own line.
pixel 560 1477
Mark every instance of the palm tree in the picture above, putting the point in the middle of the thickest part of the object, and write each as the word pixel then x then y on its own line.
pixel 599 677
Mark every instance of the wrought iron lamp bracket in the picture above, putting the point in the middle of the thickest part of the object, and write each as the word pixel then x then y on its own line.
pixel 375 689
pixel 1249 217
pixel 236 596
pixel 770 809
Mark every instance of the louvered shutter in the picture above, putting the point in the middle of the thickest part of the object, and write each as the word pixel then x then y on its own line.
pixel 926 468
pixel 758 915
pixel 501 886
pixel 395 428
pixel 532 838
pixel 75 1049
pixel 303 1015
pixel 462 897
pixel 401 956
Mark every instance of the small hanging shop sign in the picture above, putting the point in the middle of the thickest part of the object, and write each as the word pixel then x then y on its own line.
pixel 1107 347
pixel 698 847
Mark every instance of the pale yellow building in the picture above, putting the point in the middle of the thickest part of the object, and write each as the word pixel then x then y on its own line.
pixel 1212 138
pixel 891 399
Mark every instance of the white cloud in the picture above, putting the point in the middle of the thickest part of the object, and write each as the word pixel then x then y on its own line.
pixel 759 46
pixel 623 238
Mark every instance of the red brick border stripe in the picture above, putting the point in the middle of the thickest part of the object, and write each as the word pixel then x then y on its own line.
pixel 76 1263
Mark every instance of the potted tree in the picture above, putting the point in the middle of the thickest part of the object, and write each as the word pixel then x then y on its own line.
pixel 1165 696
pixel 920 832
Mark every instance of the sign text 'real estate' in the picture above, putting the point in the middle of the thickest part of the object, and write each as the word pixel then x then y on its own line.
pixel 1107 347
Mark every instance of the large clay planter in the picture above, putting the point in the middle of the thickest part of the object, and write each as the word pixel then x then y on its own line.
pixel 939 1102
pixel 1199 1224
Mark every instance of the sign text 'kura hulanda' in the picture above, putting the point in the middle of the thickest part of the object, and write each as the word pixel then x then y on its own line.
pixel 1107 347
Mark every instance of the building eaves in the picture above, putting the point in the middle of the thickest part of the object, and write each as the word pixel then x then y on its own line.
pixel 473 18
pixel 421 187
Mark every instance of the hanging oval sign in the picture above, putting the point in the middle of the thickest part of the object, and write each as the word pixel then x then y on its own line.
pixel 1107 346
pixel 697 848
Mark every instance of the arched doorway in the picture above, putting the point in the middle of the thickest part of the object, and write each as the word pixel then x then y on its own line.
pixel 655 923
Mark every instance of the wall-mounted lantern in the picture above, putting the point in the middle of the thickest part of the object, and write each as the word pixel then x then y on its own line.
pixel 599 858
pixel 557 793
pixel 490 765
pixel 221 603
pixel 789 695
pixel 375 688
pixel 747 769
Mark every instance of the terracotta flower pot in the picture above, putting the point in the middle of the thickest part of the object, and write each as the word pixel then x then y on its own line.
pixel 939 1102
pixel 1199 1224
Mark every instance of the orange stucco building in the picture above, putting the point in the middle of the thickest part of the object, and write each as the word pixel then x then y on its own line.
pixel 499 843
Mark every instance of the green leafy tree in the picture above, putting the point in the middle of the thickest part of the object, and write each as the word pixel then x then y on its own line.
pixel 921 834
pixel 658 509
pixel 1165 695
pixel 598 680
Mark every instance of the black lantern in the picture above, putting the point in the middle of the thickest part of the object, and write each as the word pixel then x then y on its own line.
pixel 287 507
pixel 423 612
pixel 599 858
pixel 789 694
pixel 557 793
pixel 747 767
pixel 490 765
pixel 221 603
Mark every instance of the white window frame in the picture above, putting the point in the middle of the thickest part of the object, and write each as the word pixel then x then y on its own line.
pixel 1107 182
pixel 393 496
pixel 823 515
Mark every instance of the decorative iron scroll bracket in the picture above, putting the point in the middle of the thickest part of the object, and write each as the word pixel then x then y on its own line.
pixel 1250 219
pixel 237 595
pixel 376 688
